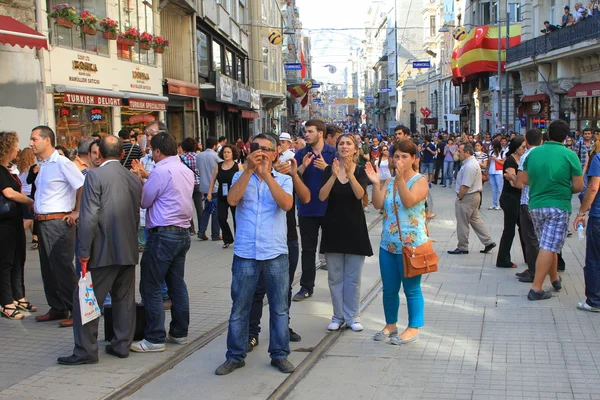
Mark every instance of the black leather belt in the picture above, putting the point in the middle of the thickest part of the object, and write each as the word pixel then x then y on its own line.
pixel 167 228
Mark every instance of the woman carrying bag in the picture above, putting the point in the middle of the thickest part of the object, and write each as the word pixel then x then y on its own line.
pixel 403 201
pixel 345 241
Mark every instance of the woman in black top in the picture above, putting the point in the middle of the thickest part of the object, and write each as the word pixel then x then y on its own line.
pixel 12 234
pixel 223 173
pixel 345 241
pixel 510 201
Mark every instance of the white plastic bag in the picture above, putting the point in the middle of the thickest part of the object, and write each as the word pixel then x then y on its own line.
pixel 87 298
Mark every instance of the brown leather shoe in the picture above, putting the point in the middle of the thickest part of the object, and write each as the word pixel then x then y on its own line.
pixel 50 317
pixel 67 323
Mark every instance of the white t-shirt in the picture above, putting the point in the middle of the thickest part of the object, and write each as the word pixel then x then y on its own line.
pixel 384 167
pixel 492 164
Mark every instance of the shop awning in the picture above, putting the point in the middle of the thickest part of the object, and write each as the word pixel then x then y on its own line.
pixel 17 34
pixel 146 102
pixel 250 114
pixel 591 89
pixel 534 97
pixel 478 51
pixel 458 110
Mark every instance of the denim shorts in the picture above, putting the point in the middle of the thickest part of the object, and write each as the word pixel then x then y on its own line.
pixel 427 168
pixel 551 226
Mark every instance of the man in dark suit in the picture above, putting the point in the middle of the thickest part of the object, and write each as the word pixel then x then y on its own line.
pixel 108 224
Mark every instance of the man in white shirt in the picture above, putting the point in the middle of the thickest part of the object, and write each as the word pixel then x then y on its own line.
pixel 285 140
pixel 56 210
pixel 468 196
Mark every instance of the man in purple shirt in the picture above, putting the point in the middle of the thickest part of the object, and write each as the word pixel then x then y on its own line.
pixel 167 196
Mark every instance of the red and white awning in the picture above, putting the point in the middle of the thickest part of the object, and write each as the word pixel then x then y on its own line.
pixel 17 34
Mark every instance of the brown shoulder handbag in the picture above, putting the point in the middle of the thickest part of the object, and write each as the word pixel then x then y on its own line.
pixel 417 260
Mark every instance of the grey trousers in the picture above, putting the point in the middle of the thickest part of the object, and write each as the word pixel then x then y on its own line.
pixel 120 279
pixel 467 213
pixel 532 246
pixel 57 251
pixel 344 274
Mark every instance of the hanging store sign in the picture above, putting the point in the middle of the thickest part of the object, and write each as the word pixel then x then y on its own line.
pixel 86 99
pixel 224 88
pixel 147 105
pixel 96 114
pixel 421 64
pixel 292 66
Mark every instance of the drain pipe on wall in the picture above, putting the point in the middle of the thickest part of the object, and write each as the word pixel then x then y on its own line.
pixel 41 98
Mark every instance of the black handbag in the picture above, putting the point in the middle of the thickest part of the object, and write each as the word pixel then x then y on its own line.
pixel 8 208
pixel 140 322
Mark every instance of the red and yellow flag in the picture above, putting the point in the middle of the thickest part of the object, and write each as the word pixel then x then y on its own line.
pixel 478 52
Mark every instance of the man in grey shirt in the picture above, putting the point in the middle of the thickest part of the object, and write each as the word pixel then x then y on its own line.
pixel 468 196
pixel 206 163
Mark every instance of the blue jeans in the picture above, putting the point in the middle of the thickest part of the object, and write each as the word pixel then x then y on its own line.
pixel 392 276
pixel 448 171
pixel 164 260
pixel 496 180
pixel 245 276
pixel 214 225
pixel 591 271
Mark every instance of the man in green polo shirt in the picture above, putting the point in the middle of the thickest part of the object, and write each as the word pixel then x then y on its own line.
pixel 553 174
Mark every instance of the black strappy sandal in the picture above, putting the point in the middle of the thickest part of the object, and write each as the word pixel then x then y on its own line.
pixel 25 306
pixel 14 315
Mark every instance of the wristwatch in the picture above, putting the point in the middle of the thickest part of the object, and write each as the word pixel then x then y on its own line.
pixel 581 214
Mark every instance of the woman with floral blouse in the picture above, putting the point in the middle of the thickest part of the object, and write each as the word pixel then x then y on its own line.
pixel 404 195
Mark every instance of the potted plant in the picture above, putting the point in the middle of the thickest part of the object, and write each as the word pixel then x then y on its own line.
pixel 159 43
pixel 130 36
pixel 109 28
pixel 146 41
pixel 64 14
pixel 88 22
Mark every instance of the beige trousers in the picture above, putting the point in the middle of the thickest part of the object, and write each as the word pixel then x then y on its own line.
pixel 467 213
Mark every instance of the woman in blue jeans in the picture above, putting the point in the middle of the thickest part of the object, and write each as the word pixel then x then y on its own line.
pixel 449 151
pixel 403 195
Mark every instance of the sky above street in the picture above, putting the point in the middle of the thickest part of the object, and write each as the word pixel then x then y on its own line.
pixel 327 21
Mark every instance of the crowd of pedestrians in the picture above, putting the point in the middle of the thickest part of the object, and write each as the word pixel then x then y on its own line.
pixel 129 194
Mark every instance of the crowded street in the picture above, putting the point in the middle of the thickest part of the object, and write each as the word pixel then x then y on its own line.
pixel 482 339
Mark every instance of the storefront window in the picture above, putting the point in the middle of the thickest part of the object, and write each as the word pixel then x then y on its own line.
pixel 74 37
pixel 75 121
pixel 133 119
pixel 217 50
pixel 240 69
pixel 137 14
pixel 588 112
pixel 265 63
pixel 203 56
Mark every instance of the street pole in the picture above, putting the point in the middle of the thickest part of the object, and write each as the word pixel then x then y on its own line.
pixel 396 77
pixel 499 70
pixel 505 54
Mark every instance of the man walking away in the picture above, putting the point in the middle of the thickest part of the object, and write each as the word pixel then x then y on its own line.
pixel 56 208
pixel 582 148
pixel 468 195
pixel 551 187
pixel 206 163
pixel 262 197
pixel 167 196
pixel 130 151
pixel 312 161
pixel 110 193
pixel 440 145
pixel 591 271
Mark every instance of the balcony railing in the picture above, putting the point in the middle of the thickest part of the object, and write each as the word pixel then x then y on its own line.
pixel 587 29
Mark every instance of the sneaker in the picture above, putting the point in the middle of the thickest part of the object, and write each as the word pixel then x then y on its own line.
pixel 294 337
pixel 498 208
pixel 228 367
pixel 443 185
pixel 366 209
pixel 252 343
pixel 356 327
pixel 144 346
pixel 334 326
pixel 301 295
pixel 491 207
pixel 283 365
pixel 176 340
pixel 586 307
pixel 541 295
pixel 522 274
pixel 557 284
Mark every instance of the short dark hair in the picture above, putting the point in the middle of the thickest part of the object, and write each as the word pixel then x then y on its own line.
pixel 125 134
pixel 189 145
pixel 83 147
pixel 110 147
pixel 235 152
pixel 95 142
pixel 546 22
pixel 161 126
pixel 211 142
pixel 165 142
pixel 47 133
pixel 403 146
pixel 96 135
pixel 63 149
pixel 221 138
pixel 534 137
pixel 558 130
pixel 587 129
pixel 317 123
pixel 468 148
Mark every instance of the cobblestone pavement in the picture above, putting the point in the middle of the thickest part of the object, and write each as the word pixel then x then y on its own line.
pixel 482 337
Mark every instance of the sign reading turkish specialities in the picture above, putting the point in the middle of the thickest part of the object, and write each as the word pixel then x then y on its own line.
pixel 135 104
pixel 87 99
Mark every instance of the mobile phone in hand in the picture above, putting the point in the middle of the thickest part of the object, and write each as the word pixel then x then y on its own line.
pixel 254 147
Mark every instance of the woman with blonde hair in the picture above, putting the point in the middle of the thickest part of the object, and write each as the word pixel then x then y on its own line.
pixel 25 161
pixel 403 202
pixel 12 233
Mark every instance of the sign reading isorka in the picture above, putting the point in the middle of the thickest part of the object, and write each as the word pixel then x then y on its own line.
pixel 72 68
